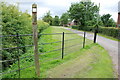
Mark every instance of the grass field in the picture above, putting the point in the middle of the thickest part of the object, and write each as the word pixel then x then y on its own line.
pixel 91 62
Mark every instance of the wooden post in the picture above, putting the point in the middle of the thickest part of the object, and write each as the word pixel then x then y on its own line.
pixel 35 39
pixel 84 40
pixel 63 45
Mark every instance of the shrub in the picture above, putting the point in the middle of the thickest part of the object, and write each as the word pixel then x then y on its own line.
pixel 109 31
pixel 42 25
pixel 75 26
pixel 16 22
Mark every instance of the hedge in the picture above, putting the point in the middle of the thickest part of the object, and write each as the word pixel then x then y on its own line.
pixel 109 31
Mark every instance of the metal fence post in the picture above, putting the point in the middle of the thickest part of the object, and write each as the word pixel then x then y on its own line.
pixel 63 45
pixel 35 37
pixel 84 39
pixel 18 54
pixel 95 33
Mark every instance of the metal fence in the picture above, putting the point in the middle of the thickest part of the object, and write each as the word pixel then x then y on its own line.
pixel 17 58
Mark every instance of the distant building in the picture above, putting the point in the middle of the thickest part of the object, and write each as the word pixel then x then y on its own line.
pixel 118 21
pixel 73 22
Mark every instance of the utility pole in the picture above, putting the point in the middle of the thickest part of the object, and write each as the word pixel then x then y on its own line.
pixel 35 38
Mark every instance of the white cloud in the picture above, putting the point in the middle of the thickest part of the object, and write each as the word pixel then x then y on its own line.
pixel 108 6
pixel 41 11
pixel 57 7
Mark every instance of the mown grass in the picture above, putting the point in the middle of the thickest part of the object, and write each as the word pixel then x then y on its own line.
pixel 102 68
pixel 52 55
pixel 91 62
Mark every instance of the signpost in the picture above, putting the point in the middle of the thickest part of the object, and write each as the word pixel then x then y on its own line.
pixel 35 37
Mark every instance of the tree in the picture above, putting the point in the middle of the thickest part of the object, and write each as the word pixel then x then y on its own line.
pixel 48 18
pixel 83 12
pixel 107 20
pixel 111 23
pixel 64 19
pixel 14 22
pixel 56 21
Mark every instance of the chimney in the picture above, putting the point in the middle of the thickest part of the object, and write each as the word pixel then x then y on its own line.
pixel 118 21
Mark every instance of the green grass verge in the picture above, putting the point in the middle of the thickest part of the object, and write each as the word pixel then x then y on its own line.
pixel 48 61
pixel 109 37
pixel 101 65
pixel 91 62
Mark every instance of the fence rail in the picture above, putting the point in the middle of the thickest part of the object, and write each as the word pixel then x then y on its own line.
pixel 16 35
pixel 38 34
pixel 18 47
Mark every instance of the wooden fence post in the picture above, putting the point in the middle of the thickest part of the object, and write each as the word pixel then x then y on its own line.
pixel 63 45
pixel 35 37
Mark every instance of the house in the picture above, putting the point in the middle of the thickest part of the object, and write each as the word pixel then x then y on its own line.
pixel 73 22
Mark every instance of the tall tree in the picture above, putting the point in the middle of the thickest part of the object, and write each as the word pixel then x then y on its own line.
pixel 83 11
pixel 14 22
pixel 111 23
pixel 64 19
pixel 48 18
pixel 56 21
pixel 107 20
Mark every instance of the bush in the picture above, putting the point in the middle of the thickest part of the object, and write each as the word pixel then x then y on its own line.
pixel 88 28
pixel 16 22
pixel 75 26
pixel 42 25
pixel 109 31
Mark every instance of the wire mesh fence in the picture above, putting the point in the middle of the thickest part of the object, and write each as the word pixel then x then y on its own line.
pixel 12 52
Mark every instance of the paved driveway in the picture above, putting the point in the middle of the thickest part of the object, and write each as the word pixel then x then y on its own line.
pixel 110 45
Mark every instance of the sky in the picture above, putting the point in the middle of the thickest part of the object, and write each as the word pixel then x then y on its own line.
pixel 57 7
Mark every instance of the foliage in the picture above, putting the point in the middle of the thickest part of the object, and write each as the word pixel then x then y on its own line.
pixel 83 12
pixel 15 22
pixel 48 18
pixel 64 19
pixel 42 25
pixel 56 21
pixel 107 21
pixel 109 31
pixel 75 27
pixel 111 23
